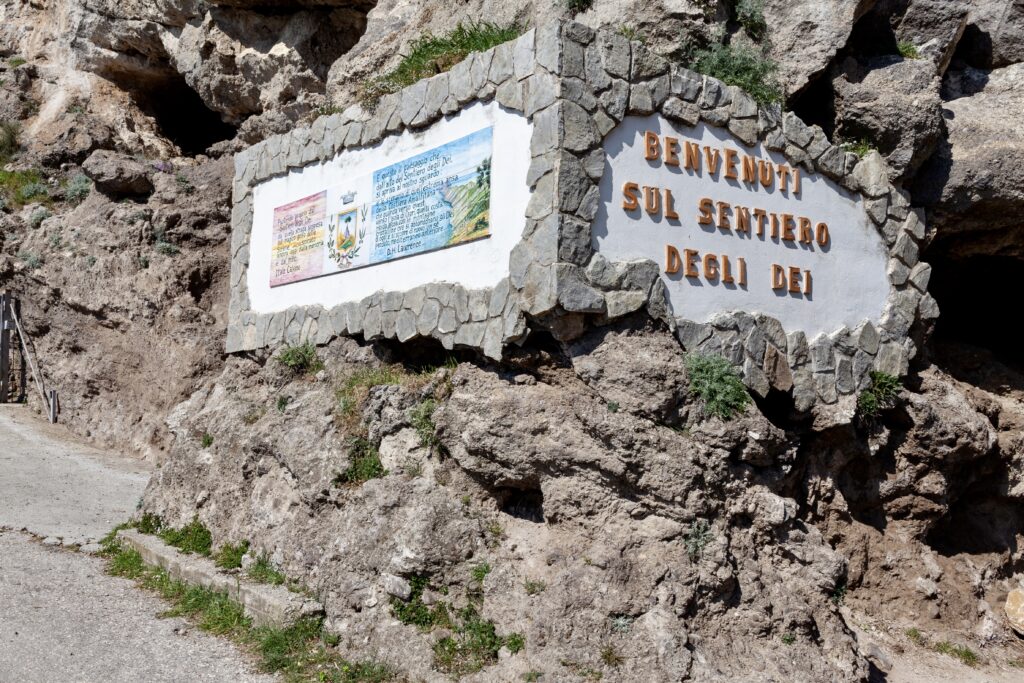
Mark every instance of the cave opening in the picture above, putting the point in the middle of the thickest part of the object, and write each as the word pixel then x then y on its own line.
pixel 972 296
pixel 181 114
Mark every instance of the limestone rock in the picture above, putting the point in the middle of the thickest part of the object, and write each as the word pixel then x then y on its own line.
pixel 892 102
pixel 118 174
pixel 1014 609
pixel 805 35
pixel 974 184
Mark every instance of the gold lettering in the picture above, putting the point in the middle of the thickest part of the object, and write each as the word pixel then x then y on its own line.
pixel 712 157
pixel 652 200
pixel 742 219
pixel 689 267
pixel 671 151
pixel 670 206
pixel 775 226
pixel 723 216
pixel 749 169
pixel 672 263
pixel 706 208
pixel 765 173
pixel 710 267
pixel 787 227
pixel 692 158
pixel 806 236
pixel 652 150
pixel 821 235
pixel 783 177
pixel 743 272
pixel 778 276
pixel 796 180
pixel 807 283
pixel 794 280
pixel 630 201
pixel 760 215
pixel 726 272
pixel 731 156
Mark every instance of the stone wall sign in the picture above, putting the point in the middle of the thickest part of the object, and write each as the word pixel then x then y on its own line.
pixel 737 227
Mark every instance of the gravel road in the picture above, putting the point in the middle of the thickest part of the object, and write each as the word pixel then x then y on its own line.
pixel 61 617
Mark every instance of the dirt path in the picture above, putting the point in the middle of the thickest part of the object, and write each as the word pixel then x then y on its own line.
pixel 61 617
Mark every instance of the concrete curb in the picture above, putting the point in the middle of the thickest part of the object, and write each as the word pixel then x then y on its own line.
pixel 265 605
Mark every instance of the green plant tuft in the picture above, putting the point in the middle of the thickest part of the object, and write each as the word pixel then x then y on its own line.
pixel 880 395
pixel 610 657
pixel 697 538
pixel 861 147
pixel 907 49
pixel 78 188
pixel 282 403
pixel 788 638
pixel 715 381
pixel 194 537
pixel 149 523
pixel 423 422
pixel 742 66
pixel 207 440
pixel 630 33
pixel 480 572
pixel 750 15
pixel 430 55
pixel 364 463
pixel 229 556
pixel 31 260
pixel 358 384
pixel 301 358
pixel 264 571
pixel 534 587
pixel 9 144
pixel 39 214
pixel 473 645
pixel 166 248
pixel 961 652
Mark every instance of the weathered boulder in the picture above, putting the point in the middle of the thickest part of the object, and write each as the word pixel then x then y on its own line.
pixel 805 35
pixel 995 33
pixel 934 28
pixel 118 174
pixel 893 103
pixel 973 186
pixel 70 139
pixel 1014 609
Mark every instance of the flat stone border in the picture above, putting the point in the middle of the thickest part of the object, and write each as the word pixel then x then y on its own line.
pixel 576 85
pixel 265 605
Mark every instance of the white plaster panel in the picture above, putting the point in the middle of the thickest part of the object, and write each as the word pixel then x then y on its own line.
pixel 478 264
pixel 849 278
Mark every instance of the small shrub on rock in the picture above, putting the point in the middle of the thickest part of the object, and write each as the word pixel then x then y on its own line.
pixel 38 216
pixel 78 188
pixel 742 66
pixel 907 49
pixel 881 395
pixel 750 15
pixel 194 537
pixel 229 556
pixel 430 55
pixel 423 422
pixel 301 358
pixel 9 145
pixel 715 381
pixel 697 538
pixel 264 571
pixel 365 463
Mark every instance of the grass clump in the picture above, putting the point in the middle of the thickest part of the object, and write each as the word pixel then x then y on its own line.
pixel 166 248
pixel 750 15
pixel 697 538
pixel 207 439
pixel 880 395
pixel 301 651
pixel 610 657
pixel 282 403
pixel 364 463
pixel 473 644
pixel 301 358
pixel 861 147
pixel 37 217
pixel 630 33
pixel 229 556
pixel 718 385
pixel 264 571
pixel 78 188
pixel 907 49
pixel 9 144
pixel 430 55
pixel 15 62
pixel 742 66
pixel 965 654
pixel 534 587
pixel 788 638
pixel 916 637
pixel 423 422
pixel 31 260
pixel 149 523
pixel 414 612
pixel 194 537
pixel 357 385
pixel 480 572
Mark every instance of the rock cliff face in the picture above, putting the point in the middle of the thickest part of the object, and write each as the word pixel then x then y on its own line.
pixel 626 533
